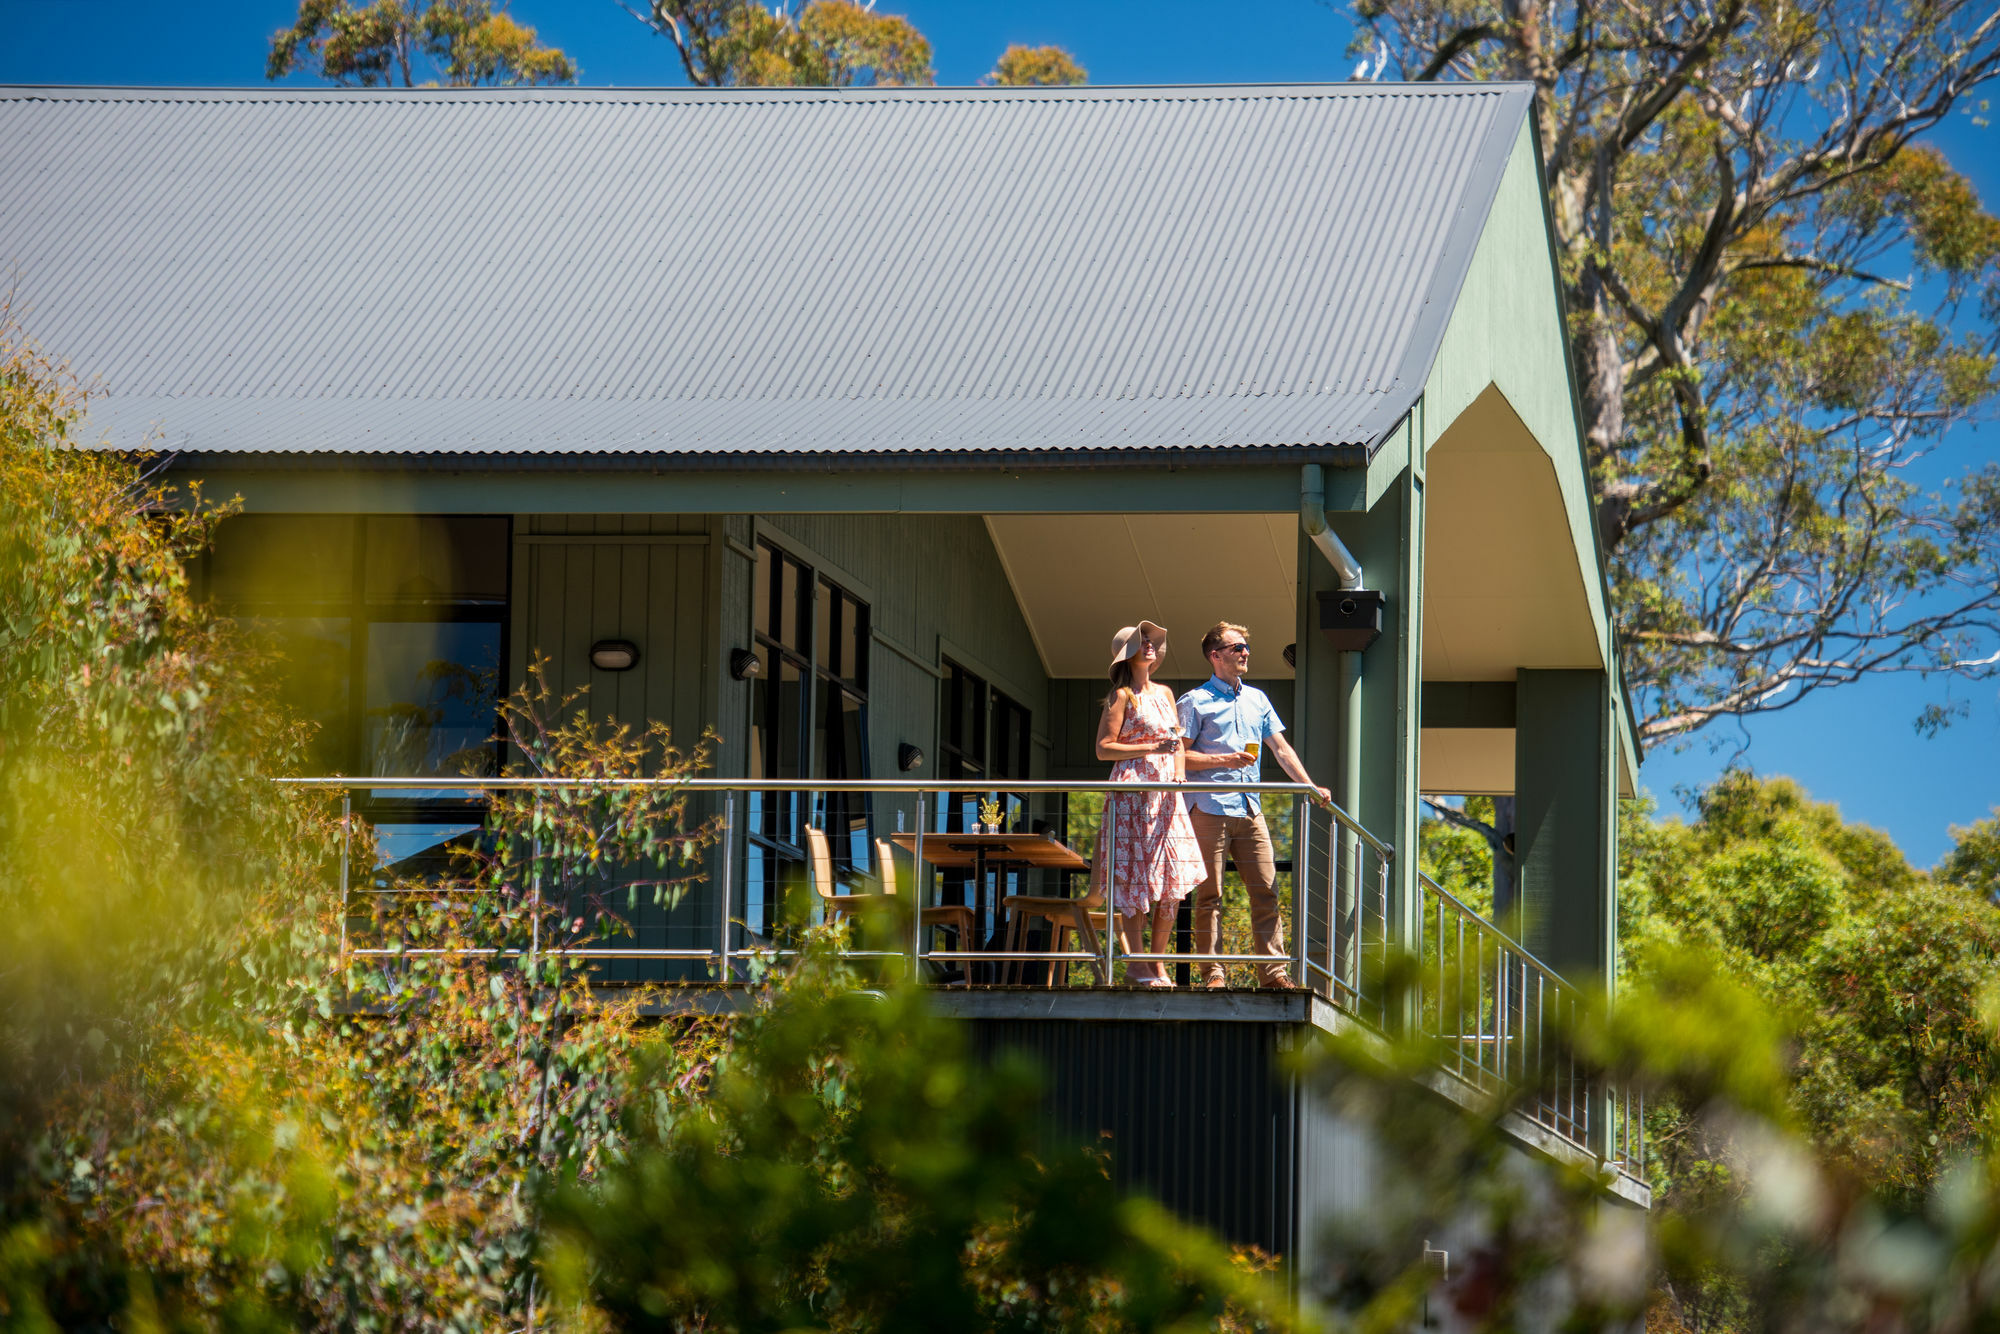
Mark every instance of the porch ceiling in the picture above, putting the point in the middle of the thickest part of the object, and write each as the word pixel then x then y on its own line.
pixel 1504 578
pixel 1079 577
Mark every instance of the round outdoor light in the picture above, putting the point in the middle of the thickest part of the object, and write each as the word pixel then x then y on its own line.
pixel 614 655
pixel 743 664
pixel 909 757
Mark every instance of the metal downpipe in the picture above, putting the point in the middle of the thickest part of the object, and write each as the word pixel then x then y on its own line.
pixel 1312 518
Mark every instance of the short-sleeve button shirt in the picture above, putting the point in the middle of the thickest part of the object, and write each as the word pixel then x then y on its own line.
pixel 1218 719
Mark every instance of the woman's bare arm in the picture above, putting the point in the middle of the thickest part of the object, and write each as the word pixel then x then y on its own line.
pixel 1110 725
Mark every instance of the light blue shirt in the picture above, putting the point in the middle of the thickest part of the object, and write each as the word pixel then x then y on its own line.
pixel 1217 720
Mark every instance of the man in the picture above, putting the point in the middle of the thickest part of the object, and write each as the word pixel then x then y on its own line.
pixel 1223 719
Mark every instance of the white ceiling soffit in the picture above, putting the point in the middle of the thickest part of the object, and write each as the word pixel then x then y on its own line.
pixel 1080 577
pixel 1466 761
pixel 1503 585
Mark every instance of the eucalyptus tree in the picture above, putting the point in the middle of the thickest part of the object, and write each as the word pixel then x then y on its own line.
pixel 1781 296
pixel 822 43
pixel 458 43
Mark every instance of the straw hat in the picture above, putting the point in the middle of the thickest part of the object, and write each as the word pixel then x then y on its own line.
pixel 1125 644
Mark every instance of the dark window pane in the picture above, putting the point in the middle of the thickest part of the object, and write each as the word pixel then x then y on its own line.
pixel 436 558
pixel 282 558
pixel 760 591
pixel 431 692
pixel 1010 738
pixel 787 761
pixel 757 889
pixel 842 742
pixel 826 627
pixel 793 606
pixel 854 657
pixel 310 658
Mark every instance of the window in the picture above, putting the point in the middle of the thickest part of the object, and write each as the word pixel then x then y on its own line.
pixel 808 719
pixel 388 635
pixel 985 735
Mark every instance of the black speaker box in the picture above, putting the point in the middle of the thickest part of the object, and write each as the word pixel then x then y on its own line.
pixel 1351 619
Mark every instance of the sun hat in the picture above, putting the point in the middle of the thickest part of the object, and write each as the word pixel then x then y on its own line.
pixel 1125 644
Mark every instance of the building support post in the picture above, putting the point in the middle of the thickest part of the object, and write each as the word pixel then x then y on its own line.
pixel 1566 811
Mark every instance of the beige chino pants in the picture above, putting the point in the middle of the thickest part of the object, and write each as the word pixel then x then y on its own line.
pixel 1246 841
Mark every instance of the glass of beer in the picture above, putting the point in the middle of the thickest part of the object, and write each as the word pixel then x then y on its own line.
pixel 1251 747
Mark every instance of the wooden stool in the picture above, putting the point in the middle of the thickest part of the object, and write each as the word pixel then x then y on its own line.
pixel 1084 916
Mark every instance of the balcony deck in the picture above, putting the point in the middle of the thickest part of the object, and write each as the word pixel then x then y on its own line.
pixel 1496 1013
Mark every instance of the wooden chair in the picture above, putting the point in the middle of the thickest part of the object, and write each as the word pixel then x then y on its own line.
pixel 819 852
pixel 945 916
pixel 1084 916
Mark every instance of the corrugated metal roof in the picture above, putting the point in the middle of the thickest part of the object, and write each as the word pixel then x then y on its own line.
pixel 746 272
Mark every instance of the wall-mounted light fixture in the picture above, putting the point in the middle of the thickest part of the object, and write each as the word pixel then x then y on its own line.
pixel 744 664
pixel 1292 656
pixel 614 655
pixel 909 757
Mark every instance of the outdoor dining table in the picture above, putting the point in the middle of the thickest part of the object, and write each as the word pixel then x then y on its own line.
pixel 983 852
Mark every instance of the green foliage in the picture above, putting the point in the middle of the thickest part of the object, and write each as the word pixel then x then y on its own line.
pixel 467 43
pixel 215 1119
pixel 149 875
pixel 851 1167
pixel 1879 970
pixel 1974 860
pixel 1037 67
pixel 1458 858
pixel 823 43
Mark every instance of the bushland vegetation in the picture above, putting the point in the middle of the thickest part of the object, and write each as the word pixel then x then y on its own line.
pixel 210 1118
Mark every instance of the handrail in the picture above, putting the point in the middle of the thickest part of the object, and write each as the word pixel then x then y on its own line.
pixel 1494 927
pixel 1341 915
pixel 927 787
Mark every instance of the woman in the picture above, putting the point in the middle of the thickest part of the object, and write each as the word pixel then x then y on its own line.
pixel 1146 837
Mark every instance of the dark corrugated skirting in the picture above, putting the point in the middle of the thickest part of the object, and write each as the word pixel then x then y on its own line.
pixel 1194 1114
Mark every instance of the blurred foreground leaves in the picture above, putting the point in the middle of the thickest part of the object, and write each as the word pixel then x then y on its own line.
pixel 208 1122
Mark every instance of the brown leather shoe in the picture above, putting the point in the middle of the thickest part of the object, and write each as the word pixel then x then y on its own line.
pixel 1277 984
pixel 1217 981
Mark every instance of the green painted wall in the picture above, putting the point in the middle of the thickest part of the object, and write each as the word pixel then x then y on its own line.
pixel 1566 761
pixel 578 579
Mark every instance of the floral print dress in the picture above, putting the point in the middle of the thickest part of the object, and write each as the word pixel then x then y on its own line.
pixel 1147 837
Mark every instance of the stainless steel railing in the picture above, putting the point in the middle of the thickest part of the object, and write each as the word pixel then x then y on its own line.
pixel 1495 1008
pixel 1502 1020
pixel 1326 951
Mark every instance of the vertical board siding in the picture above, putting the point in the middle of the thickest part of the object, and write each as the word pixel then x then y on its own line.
pixel 1197 1115
pixel 658 596
pixel 730 628
pixel 1339 1172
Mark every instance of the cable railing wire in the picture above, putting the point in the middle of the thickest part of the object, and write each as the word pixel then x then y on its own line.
pixel 1495 1010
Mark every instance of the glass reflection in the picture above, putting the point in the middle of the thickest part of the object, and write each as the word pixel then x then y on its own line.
pixel 431 689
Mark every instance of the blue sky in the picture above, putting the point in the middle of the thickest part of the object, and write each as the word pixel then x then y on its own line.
pixel 1856 746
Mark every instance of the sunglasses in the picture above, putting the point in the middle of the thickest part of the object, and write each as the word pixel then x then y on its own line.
pixel 1232 648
